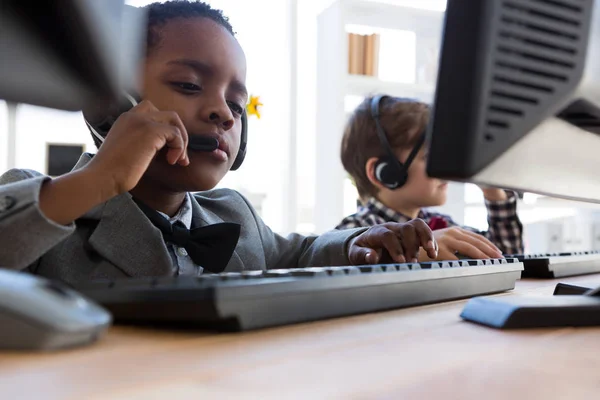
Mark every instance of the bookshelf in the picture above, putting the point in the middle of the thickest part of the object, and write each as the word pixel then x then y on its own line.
pixel 359 85
pixel 337 27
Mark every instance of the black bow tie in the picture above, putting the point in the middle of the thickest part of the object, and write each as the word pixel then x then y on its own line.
pixel 210 246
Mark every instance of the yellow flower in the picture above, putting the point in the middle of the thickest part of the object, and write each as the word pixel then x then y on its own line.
pixel 254 105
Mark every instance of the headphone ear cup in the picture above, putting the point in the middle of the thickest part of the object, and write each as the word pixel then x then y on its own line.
pixel 239 159
pixel 388 175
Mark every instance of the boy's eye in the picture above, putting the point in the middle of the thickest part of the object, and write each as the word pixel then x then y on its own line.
pixel 236 108
pixel 186 86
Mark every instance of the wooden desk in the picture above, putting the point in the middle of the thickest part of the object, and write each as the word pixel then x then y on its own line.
pixel 417 353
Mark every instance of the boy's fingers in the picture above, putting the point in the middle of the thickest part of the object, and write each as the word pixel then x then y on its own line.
pixel 410 242
pixel 426 238
pixel 467 249
pixel 477 240
pixel 431 248
pixel 371 257
pixel 144 106
pixel 174 144
pixel 176 139
pixel 445 254
pixel 391 243
pixel 362 255
pixel 420 233
pixel 381 237
pixel 490 247
pixel 172 118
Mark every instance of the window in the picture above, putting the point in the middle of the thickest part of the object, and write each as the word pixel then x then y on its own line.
pixel 36 127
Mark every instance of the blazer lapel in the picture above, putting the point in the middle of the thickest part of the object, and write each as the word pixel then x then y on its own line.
pixel 201 217
pixel 126 238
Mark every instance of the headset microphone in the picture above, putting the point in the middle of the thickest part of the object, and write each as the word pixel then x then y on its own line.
pixel 202 143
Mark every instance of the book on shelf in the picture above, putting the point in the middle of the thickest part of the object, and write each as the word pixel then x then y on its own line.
pixel 363 54
pixel 355 54
pixel 371 54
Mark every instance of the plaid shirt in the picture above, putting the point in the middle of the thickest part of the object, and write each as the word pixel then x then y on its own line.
pixel 505 229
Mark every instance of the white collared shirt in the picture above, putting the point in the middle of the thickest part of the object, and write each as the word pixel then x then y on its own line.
pixel 182 262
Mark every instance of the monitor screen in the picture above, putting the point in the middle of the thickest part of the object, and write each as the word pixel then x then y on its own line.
pixel 62 158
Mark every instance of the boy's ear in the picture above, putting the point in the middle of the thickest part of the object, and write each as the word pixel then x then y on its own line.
pixel 370 172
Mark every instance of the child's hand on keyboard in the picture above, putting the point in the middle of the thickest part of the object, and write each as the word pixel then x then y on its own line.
pixel 401 242
pixel 455 240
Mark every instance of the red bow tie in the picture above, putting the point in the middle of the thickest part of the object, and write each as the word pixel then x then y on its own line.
pixel 436 223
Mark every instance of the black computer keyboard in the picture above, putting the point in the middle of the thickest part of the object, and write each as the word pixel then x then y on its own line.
pixel 256 299
pixel 558 265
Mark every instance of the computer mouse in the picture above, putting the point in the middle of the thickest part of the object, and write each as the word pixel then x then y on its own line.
pixel 40 314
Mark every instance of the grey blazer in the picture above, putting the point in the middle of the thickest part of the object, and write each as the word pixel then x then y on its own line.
pixel 116 239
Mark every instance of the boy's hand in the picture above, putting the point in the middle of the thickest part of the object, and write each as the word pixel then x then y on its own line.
pixel 400 241
pixel 458 240
pixel 131 144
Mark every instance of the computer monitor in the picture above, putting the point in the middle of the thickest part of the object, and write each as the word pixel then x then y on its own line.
pixel 68 53
pixel 517 105
pixel 517 101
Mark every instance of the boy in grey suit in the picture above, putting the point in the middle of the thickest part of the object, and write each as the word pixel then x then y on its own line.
pixel 106 218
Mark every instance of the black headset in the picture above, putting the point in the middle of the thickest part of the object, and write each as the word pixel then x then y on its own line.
pixel 388 169
pixel 100 118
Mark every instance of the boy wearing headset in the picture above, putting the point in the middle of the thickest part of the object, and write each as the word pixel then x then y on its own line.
pixel 383 151
pixel 132 209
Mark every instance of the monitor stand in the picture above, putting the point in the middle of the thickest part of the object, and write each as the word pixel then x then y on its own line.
pixel 570 306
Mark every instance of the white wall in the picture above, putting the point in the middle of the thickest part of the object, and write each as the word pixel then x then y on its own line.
pixel 263 31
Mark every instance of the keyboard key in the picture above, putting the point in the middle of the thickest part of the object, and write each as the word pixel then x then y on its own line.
pixel 310 272
pixel 230 276
pixel 335 271
pixel 389 268
pixel 252 274
pixel 370 268
pixel 278 273
pixel 207 277
pixel 351 270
